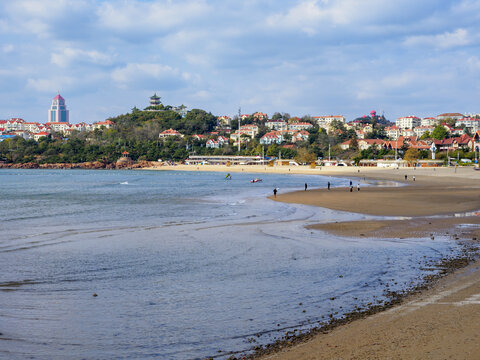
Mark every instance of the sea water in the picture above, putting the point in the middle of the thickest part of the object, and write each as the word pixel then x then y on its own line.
pixel 185 265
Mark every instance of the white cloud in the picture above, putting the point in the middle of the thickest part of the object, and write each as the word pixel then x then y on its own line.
pixel 49 85
pixel 459 37
pixel 163 76
pixel 148 16
pixel 7 48
pixel 68 55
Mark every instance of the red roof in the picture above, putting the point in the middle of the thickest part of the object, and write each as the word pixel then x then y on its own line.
pixel 58 97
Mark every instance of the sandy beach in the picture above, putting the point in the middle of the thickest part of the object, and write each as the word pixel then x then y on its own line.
pixel 442 322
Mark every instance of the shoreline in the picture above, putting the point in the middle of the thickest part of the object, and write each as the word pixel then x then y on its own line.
pixel 352 337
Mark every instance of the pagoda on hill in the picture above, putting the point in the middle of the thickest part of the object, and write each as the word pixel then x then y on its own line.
pixel 155 100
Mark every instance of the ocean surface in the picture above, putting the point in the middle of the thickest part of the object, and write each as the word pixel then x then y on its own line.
pixel 186 265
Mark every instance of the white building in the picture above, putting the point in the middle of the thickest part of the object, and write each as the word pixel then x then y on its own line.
pixel 276 125
pixel 325 121
pixel 408 122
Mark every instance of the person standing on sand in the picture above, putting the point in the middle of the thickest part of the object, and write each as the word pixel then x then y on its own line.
pixel 406 177
pixel 413 177
pixel 306 186
pixel 328 185
pixel 358 187
pixel 275 192
pixel 351 188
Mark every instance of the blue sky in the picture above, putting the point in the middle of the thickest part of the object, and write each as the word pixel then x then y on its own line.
pixel 310 57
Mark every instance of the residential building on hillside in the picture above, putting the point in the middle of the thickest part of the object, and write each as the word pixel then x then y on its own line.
pixel 299 126
pixel 259 116
pixel 420 130
pixel 169 133
pixel 58 111
pixel 472 124
pixel 392 132
pixel 276 125
pixel 407 122
pixel 454 116
pixel 429 121
pixel 325 121
pixel 224 120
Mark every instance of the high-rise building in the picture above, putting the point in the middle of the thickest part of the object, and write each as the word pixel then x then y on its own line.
pixel 58 111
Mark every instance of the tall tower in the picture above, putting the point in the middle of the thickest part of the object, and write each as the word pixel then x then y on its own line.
pixel 58 111
pixel 155 100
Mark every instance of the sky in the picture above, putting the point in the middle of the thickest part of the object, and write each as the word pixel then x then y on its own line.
pixel 324 57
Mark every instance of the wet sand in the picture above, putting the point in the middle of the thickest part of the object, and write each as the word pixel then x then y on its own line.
pixel 440 323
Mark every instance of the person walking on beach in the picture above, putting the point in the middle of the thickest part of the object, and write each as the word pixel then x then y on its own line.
pixel 274 192
pixel 351 188
pixel 406 177
pixel 306 186
pixel 328 185
pixel 358 187
pixel 413 177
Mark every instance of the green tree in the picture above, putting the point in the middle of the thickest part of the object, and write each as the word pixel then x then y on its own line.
pixel 439 132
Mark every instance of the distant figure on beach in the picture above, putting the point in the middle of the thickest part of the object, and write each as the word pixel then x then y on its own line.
pixel 328 185
pixel 358 187
pixel 275 192
pixel 413 177
pixel 351 188
pixel 306 186
pixel 406 177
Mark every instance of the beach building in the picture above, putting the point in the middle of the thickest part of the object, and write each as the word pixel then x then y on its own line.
pixel 58 112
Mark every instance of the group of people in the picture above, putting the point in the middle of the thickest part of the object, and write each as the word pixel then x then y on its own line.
pixel 275 190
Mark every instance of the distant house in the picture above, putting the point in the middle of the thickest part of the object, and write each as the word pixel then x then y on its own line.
pixel 276 125
pixel 299 126
pixel 224 120
pixel 217 143
pixel 107 124
pixel 273 137
pixel 407 122
pixel 199 137
pixel 37 136
pixel 454 116
pixel 169 133
pixel 393 132
pixel 326 120
pixel 259 116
